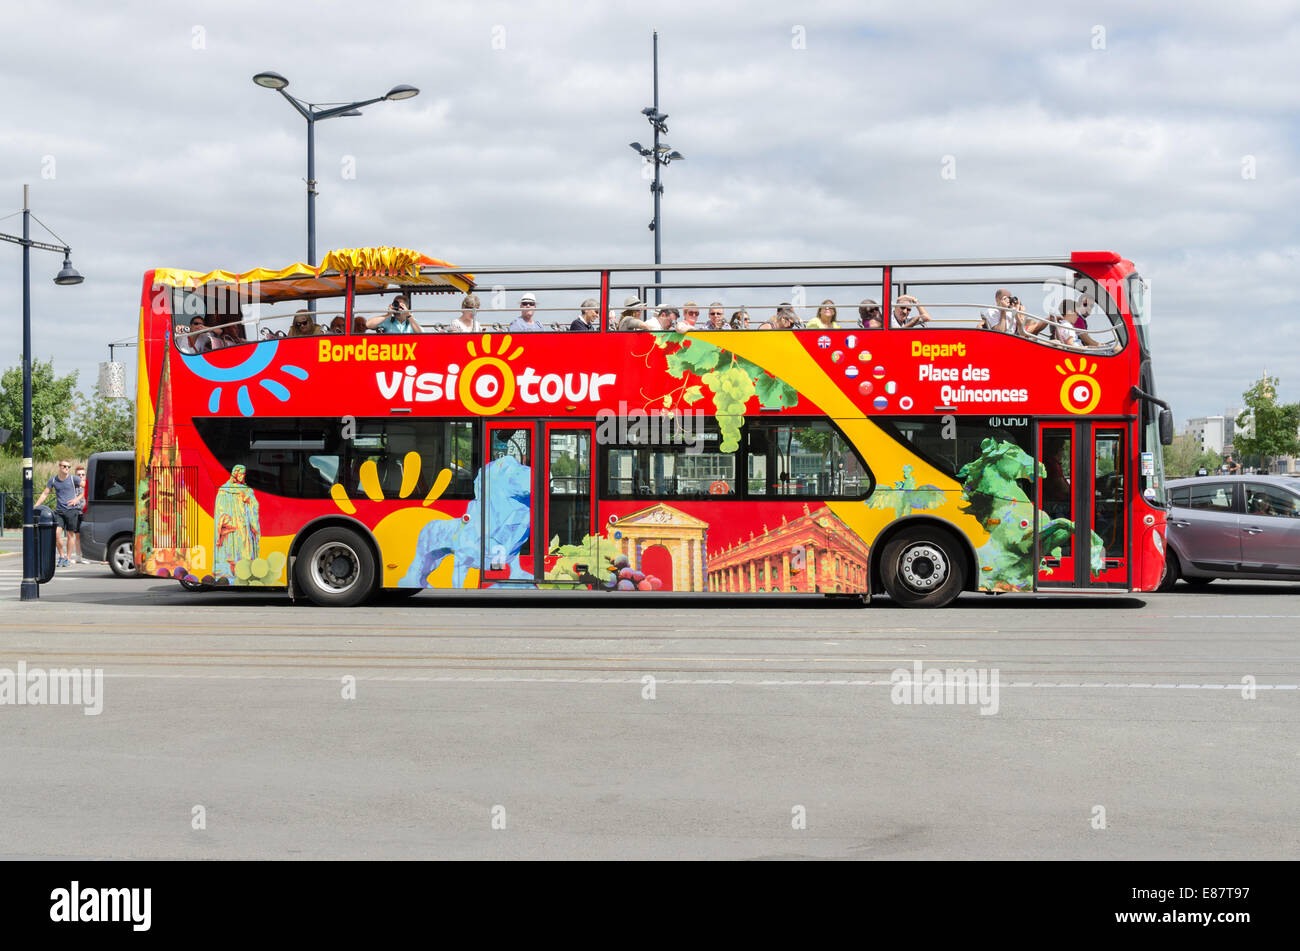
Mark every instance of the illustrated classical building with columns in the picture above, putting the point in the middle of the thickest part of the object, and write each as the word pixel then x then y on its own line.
pixel 815 552
pixel 665 542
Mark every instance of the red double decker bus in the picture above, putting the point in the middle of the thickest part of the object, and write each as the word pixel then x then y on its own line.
pixel 386 423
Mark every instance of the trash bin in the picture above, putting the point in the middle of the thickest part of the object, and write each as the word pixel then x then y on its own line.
pixel 46 548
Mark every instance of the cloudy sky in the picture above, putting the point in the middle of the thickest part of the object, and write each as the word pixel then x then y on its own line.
pixel 1168 132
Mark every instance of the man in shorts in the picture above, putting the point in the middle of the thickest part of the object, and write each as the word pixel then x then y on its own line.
pixel 67 510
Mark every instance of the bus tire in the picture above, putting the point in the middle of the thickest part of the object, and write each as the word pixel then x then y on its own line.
pixel 922 568
pixel 334 568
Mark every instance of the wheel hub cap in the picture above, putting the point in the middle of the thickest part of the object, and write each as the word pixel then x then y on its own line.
pixel 923 567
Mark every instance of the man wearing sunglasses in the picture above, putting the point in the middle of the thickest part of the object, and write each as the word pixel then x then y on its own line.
pixel 903 313
pixel 67 511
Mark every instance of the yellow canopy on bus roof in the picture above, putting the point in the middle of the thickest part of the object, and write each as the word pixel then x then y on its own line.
pixel 373 268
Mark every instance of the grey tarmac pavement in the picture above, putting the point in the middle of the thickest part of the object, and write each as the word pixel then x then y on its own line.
pixel 536 704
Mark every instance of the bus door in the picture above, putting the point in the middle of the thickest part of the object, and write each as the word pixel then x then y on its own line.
pixel 1110 502
pixel 570 515
pixel 1083 494
pixel 509 497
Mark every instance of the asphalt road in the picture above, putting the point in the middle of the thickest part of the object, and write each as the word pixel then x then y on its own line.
pixel 531 712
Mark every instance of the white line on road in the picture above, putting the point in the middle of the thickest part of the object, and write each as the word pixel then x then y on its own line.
pixel 695 682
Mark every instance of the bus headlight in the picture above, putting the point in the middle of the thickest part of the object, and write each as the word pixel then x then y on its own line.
pixel 1159 541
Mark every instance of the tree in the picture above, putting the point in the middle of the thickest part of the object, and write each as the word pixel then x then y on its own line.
pixel 1180 456
pixel 1273 428
pixel 103 423
pixel 51 408
pixel 1185 456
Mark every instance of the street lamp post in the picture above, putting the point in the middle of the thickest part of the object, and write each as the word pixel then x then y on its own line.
pixel 659 154
pixel 314 113
pixel 30 590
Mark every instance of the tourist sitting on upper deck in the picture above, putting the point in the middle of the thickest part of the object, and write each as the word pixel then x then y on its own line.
pixel 633 316
pixel 903 313
pixel 526 322
pixel 689 319
pixel 396 320
pixel 589 314
pixel 1068 329
pixel 1083 307
pixel 783 319
pixel 466 322
pixel 825 319
pixel 717 319
pixel 667 319
pixel 199 339
pixel 870 314
pixel 1007 317
pixel 740 320
pixel 304 325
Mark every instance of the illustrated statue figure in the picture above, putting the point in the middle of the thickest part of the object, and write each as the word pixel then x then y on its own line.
pixel 993 496
pixel 238 530
pixel 509 510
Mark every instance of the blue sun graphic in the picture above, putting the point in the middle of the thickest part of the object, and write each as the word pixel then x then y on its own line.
pixel 257 361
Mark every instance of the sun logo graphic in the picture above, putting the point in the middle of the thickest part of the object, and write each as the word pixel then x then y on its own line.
pixel 398 531
pixel 257 361
pixel 487 384
pixel 1080 393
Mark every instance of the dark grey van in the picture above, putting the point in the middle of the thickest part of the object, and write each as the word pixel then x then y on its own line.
pixel 108 527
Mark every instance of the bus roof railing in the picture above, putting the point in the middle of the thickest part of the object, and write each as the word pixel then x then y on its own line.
pixel 751 266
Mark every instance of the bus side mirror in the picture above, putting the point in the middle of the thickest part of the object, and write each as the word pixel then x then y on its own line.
pixel 1166 423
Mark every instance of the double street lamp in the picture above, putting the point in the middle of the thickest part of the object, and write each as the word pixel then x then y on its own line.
pixel 30 590
pixel 659 154
pixel 314 113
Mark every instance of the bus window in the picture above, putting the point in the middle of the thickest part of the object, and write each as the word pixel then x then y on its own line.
pixel 515 443
pixel 809 458
pixel 304 458
pixel 569 498
pixel 950 442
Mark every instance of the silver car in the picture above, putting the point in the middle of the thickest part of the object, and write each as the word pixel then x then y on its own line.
pixel 1233 526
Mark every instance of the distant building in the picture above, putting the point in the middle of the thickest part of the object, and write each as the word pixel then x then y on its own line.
pixel 1210 432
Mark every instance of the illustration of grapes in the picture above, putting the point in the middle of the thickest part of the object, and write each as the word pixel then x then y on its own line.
pixel 260 571
pixel 732 380
pixel 623 577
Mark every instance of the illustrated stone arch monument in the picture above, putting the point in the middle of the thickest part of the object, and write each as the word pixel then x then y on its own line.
pixel 682 536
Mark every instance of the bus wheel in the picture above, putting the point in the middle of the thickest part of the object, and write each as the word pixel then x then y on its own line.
pixel 922 568
pixel 335 568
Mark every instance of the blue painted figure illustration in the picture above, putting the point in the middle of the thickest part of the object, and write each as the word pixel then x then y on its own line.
pixel 509 510
pixel 993 496
pixel 906 497
pixel 238 529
